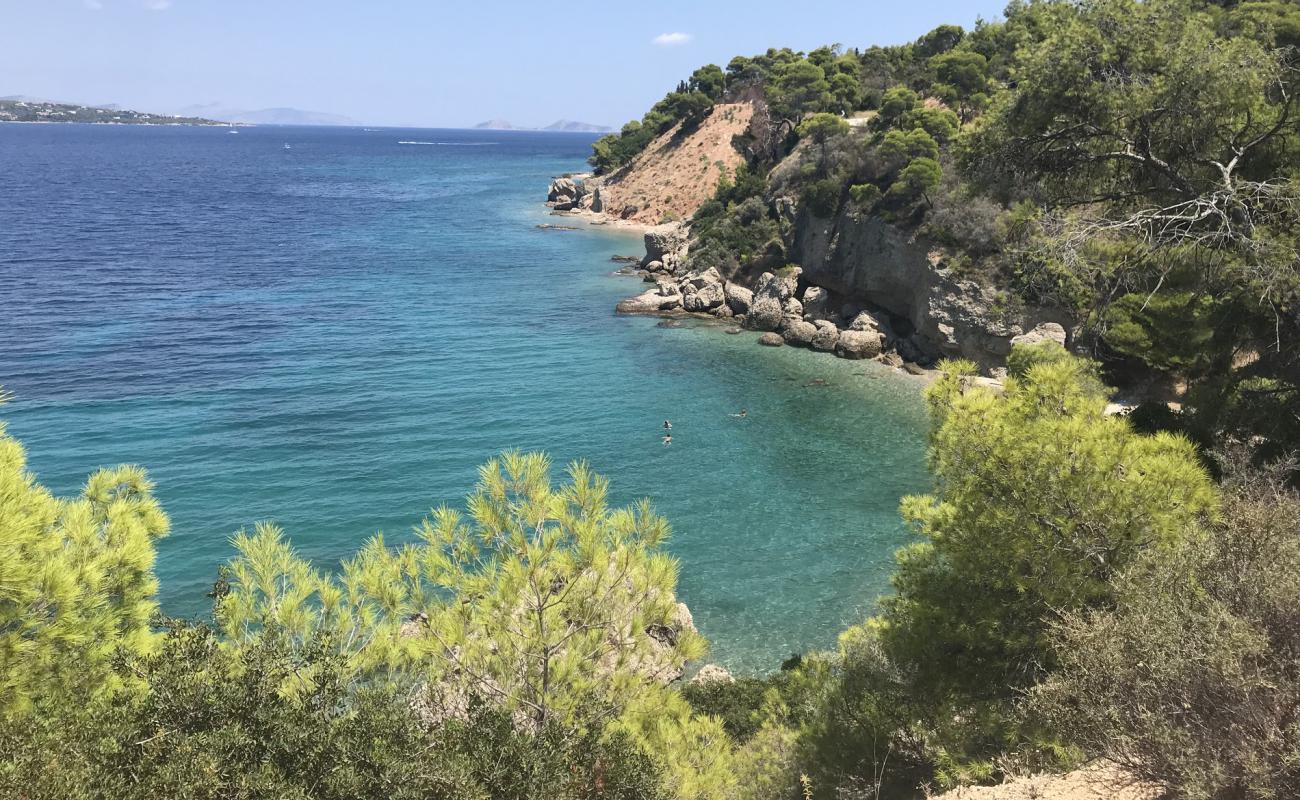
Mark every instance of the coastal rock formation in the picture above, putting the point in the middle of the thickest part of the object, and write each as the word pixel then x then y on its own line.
pixel 798 332
pixel 563 190
pixel 738 297
pixel 664 297
pixel 858 344
pixel 866 259
pixel 826 337
pixel 771 340
pixel 666 244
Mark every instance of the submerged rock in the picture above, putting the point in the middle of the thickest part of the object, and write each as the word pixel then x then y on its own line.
pixel 771 340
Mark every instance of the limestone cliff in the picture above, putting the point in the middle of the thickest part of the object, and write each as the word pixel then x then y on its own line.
pixel 934 313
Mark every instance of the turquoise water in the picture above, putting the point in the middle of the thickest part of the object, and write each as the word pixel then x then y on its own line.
pixel 335 335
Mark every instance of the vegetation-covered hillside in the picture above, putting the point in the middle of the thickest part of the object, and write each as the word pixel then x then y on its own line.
pixel 1132 164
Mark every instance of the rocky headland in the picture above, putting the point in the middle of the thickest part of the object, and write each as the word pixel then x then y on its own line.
pixel 853 285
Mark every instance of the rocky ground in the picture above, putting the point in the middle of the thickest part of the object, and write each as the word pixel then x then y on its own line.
pixel 1097 781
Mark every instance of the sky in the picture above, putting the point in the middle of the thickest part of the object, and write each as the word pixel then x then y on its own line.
pixel 422 63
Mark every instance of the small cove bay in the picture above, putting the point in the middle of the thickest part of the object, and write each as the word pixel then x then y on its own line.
pixel 334 335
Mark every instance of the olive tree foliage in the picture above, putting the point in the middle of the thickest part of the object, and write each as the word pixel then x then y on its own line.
pixel 76 580
pixel 540 601
pixel 1190 680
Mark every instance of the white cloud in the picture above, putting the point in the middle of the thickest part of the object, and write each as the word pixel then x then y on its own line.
pixel 671 39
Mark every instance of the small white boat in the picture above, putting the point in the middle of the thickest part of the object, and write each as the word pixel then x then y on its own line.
pixel 286 146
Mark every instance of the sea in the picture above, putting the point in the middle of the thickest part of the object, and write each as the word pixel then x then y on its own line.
pixel 332 328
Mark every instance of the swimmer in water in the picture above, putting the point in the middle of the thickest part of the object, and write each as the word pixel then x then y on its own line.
pixel 743 413
pixel 668 438
pixel 668 425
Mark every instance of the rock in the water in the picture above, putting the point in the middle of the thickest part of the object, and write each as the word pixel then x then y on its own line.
pixel 1047 331
pixel 765 314
pixel 738 297
pixel 566 205
pixel 705 298
pixel 723 312
pixel 597 203
pixel 797 331
pixel 771 339
pixel 826 337
pixel 562 189
pixel 858 344
pixel 663 298
pixel 712 673
pixel 654 266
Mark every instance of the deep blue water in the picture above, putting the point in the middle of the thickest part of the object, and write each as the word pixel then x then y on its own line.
pixel 335 335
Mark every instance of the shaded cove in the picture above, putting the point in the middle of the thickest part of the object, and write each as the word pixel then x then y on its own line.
pixel 334 335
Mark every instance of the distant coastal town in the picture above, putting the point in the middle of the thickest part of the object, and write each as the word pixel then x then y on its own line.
pixel 42 111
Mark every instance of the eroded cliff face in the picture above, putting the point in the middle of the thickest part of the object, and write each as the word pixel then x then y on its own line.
pixel 678 172
pixel 932 313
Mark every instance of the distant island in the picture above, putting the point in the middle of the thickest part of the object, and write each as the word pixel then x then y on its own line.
pixel 565 125
pixel 14 109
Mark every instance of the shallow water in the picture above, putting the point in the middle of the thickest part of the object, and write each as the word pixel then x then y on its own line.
pixel 335 335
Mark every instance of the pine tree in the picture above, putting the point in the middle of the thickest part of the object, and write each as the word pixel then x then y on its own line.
pixel 76 579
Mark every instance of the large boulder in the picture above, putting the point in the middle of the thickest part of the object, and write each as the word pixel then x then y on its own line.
pixel 702 278
pixel 771 340
pixel 597 202
pixel 826 337
pixel 666 243
pixel 866 321
pixel 705 298
pixel 816 303
pixel 765 314
pixel 779 287
pixel 562 190
pixel 858 344
pixel 738 297
pixel 792 308
pixel 665 297
pixel 798 331
pixel 1046 332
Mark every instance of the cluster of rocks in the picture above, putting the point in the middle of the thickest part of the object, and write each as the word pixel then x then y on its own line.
pixel 775 306
pixel 570 194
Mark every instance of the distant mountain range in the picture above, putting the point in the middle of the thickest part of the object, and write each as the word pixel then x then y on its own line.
pixel 566 125
pixel 265 116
